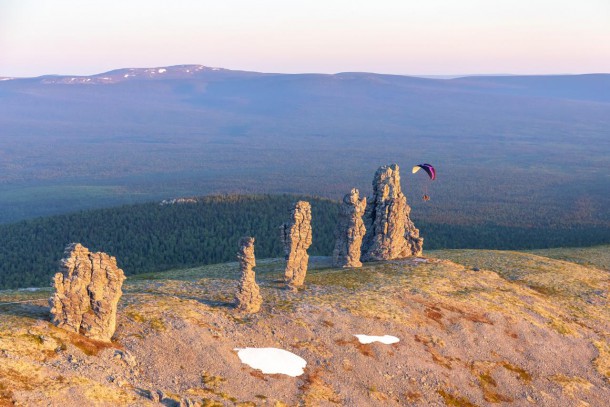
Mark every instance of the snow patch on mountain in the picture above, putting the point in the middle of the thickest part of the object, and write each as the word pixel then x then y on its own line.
pixel 121 75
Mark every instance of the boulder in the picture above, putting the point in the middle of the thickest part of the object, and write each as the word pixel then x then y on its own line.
pixel 350 231
pixel 87 291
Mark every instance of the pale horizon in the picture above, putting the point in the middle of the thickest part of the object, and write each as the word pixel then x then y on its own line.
pixel 438 38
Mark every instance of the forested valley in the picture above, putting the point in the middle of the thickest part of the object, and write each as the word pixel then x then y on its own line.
pixel 155 237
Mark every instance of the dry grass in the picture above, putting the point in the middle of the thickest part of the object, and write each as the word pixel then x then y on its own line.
pixel 364 349
pixel 595 257
pixel 602 361
pixel 23 376
pixel 454 400
pixel 315 390
pixel 572 384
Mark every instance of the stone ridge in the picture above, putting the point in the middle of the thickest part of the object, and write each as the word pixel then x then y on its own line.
pixel 296 239
pixel 248 296
pixel 390 233
pixel 87 291
pixel 350 231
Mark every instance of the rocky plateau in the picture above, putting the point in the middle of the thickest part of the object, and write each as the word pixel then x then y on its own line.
pixel 475 328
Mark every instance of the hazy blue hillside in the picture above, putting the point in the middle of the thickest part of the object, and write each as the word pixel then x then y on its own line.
pixel 510 151
pixel 592 87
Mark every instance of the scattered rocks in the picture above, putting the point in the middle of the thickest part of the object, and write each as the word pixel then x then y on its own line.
pixel 169 400
pixel 350 231
pixel 248 296
pixel 126 357
pixel 153 395
pixel 187 402
pixel 390 233
pixel 87 291
pixel 296 238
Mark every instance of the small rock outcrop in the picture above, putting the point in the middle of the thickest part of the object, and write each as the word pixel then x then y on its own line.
pixel 248 296
pixel 87 291
pixel 296 238
pixel 390 233
pixel 350 231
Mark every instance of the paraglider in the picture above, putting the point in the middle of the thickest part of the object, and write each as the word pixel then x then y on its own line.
pixel 431 171
pixel 426 167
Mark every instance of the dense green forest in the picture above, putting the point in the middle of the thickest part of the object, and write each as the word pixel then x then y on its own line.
pixel 153 237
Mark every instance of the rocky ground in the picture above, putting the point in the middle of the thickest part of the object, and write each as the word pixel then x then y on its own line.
pixel 476 328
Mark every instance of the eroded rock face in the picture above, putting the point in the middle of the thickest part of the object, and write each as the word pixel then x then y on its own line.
pixel 248 296
pixel 390 233
pixel 350 231
pixel 296 238
pixel 87 291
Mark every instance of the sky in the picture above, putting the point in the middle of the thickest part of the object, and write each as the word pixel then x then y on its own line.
pixel 409 37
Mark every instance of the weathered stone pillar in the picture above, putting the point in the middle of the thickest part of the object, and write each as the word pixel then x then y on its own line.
pixel 350 231
pixel 87 291
pixel 296 238
pixel 248 296
pixel 390 233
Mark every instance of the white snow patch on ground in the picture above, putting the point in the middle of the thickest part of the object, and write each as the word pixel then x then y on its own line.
pixel 162 70
pixel 272 360
pixel 387 339
pixel 5 79
pixel 420 260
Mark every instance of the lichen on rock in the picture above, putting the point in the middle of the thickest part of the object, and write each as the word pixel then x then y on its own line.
pixel 87 291
pixel 350 231
pixel 390 233
pixel 248 296
pixel 296 239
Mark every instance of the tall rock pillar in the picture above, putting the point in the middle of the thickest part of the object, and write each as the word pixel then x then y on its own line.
pixel 87 291
pixel 350 231
pixel 390 233
pixel 296 238
pixel 248 296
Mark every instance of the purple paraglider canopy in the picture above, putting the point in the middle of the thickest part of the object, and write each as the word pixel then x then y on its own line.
pixel 428 168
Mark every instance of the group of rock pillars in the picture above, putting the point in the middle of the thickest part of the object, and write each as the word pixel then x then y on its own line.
pixel 88 286
pixel 378 230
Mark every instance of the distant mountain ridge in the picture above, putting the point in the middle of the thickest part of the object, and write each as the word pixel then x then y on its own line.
pixel 580 86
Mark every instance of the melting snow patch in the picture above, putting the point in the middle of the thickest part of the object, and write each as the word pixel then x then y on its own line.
pixel 162 70
pixel 387 339
pixel 272 360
